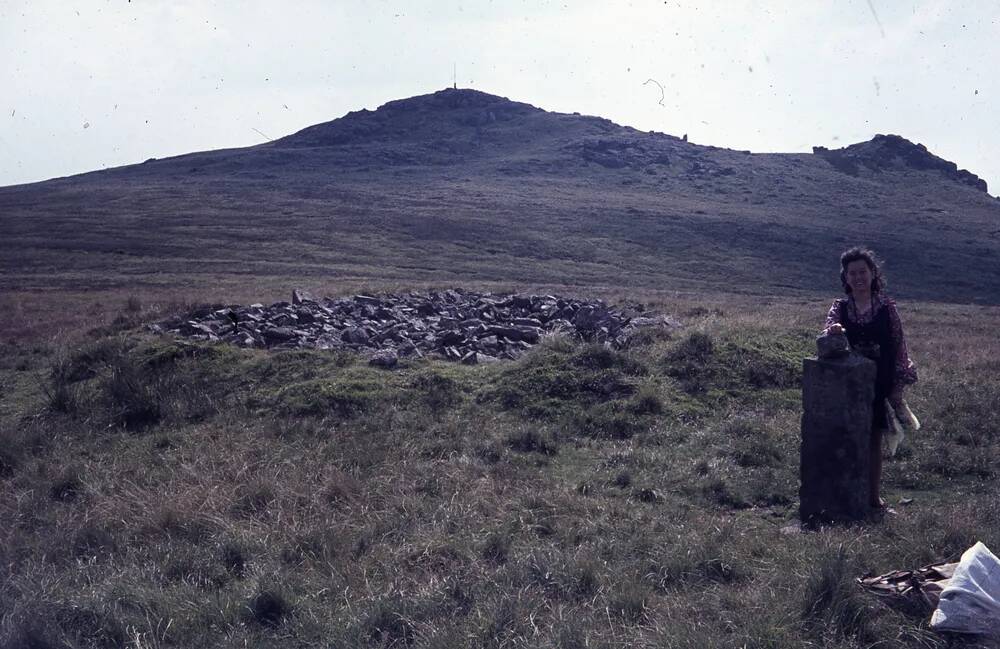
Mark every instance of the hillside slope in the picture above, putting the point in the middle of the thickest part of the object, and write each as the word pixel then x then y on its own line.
pixel 460 186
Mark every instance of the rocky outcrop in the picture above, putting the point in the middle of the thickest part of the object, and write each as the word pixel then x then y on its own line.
pixel 884 152
pixel 426 118
pixel 459 325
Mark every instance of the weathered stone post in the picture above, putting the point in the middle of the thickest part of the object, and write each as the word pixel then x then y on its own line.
pixel 838 389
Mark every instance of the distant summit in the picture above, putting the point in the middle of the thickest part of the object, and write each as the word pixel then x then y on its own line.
pixel 421 117
pixel 889 152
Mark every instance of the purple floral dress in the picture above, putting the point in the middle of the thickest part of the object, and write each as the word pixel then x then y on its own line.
pixel 878 334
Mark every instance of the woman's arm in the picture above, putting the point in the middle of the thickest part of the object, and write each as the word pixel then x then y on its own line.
pixel 905 371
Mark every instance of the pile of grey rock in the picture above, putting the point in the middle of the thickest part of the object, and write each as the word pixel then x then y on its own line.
pixel 460 325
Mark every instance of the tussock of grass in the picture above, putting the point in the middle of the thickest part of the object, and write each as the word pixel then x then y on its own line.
pixel 648 400
pixel 253 498
pixel 630 603
pixel 438 390
pixel 738 362
pixel 134 400
pixel 188 566
pixel 175 523
pixel 701 559
pixel 68 486
pixel 496 547
pixel 338 487
pixel 11 453
pixel 269 608
pixel 234 557
pixel 33 634
pixel 530 440
pixel 60 393
pixel 92 542
pixel 89 625
pixel 324 397
pixel 623 480
pixel 833 604
pixel 392 621
pixel 549 381
pixel 752 444
pixel 324 545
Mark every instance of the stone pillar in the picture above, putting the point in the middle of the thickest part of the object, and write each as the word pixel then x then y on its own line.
pixel 838 389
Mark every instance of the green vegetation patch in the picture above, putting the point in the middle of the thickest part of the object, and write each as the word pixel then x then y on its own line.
pixel 552 380
pixel 290 366
pixel 207 359
pixel 441 387
pixel 341 396
pixel 738 363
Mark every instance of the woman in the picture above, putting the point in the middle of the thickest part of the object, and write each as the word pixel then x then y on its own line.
pixel 871 322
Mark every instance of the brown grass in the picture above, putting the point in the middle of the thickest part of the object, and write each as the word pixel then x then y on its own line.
pixel 450 521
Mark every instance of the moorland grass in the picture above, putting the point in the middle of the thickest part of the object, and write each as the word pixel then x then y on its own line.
pixel 197 495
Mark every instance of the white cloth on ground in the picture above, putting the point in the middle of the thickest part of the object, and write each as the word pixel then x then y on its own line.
pixel 970 603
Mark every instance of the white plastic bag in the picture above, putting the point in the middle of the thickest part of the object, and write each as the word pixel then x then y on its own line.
pixel 970 603
pixel 901 421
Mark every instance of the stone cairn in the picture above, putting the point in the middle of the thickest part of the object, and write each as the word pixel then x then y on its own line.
pixel 460 325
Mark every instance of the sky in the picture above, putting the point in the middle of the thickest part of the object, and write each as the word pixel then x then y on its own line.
pixel 91 84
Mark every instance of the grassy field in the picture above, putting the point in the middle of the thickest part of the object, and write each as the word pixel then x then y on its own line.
pixel 160 493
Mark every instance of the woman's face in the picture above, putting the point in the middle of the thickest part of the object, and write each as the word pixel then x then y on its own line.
pixel 859 276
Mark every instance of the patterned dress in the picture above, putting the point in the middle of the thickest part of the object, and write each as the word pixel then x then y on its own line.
pixel 878 334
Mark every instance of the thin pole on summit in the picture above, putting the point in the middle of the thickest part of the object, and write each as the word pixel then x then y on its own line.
pixel 454 76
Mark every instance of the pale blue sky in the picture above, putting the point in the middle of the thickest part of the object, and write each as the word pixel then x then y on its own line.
pixel 93 84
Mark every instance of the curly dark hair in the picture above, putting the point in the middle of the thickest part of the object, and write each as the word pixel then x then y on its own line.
pixel 854 254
